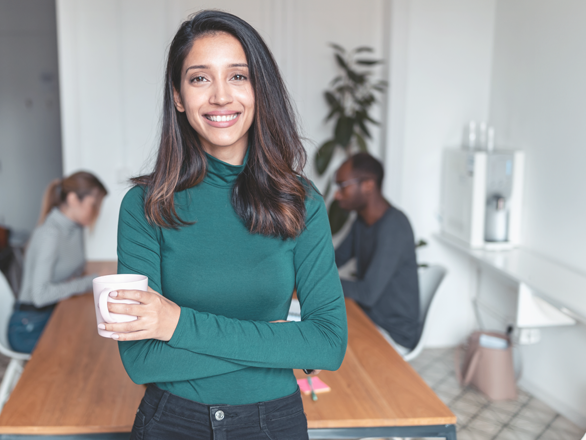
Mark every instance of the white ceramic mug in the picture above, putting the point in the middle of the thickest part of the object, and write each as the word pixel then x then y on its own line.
pixel 110 283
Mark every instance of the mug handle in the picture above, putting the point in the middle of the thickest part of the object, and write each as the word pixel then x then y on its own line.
pixel 103 305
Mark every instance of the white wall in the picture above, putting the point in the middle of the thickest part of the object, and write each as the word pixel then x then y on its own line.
pixel 440 78
pixel 30 136
pixel 537 104
pixel 112 58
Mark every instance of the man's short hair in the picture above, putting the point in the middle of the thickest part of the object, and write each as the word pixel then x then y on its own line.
pixel 364 163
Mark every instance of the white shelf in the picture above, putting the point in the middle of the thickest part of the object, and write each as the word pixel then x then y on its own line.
pixel 558 285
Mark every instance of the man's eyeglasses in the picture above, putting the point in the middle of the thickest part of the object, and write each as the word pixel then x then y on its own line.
pixel 345 183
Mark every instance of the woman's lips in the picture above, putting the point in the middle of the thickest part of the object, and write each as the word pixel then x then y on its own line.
pixel 222 121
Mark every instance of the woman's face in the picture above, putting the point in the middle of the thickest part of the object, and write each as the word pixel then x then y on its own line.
pixel 216 94
pixel 84 211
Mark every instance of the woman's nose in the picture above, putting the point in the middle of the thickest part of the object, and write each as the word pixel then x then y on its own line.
pixel 221 94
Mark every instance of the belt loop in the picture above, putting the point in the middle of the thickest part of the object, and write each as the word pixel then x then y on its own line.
pixel 161 405
pixel 261 415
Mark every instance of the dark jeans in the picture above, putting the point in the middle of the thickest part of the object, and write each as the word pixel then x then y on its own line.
pixel 26 326
pixel 162 415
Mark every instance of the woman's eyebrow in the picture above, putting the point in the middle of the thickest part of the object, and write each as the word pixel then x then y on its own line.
pixel 203 66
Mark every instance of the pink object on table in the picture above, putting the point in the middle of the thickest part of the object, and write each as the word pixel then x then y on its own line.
pixel 318 386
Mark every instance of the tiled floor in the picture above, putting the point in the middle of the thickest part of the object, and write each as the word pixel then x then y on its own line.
pixel 478 418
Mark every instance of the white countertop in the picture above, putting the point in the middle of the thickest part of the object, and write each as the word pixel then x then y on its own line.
pixel 561 286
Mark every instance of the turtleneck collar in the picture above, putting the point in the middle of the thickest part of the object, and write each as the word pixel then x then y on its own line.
pixel 61 220
pixel 221 173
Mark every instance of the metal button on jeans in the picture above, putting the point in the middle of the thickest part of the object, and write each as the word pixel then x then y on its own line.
pixel 220 415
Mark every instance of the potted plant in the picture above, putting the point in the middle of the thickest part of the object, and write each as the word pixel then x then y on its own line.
pixel 350 98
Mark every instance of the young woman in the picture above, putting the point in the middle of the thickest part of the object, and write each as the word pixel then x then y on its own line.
pixel 225 228
pixel 54 260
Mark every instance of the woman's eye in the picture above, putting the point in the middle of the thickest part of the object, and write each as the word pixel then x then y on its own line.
pixel 239 77
pixel 198 79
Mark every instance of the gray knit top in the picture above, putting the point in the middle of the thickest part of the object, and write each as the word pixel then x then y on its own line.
pixel 54 262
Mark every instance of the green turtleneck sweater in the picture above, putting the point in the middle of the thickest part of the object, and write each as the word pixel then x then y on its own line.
pixel 230 284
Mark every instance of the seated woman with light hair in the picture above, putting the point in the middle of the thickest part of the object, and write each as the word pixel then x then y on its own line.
pixel 54 261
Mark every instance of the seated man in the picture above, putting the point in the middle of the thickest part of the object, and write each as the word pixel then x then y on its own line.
pixel 381 240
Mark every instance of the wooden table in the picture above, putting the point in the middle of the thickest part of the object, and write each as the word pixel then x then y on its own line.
pixel 75 385
pixel 375 393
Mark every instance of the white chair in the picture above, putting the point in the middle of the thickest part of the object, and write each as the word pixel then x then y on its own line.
pixel 430 279
pixel 17 360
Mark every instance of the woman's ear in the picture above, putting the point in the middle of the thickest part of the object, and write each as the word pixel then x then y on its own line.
pixel 177 100
pixel 72 200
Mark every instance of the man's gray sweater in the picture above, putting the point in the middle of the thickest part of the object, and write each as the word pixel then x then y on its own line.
pixel 387 286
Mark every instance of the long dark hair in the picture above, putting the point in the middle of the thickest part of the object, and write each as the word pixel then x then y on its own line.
pixel 81 183
pixel 269 194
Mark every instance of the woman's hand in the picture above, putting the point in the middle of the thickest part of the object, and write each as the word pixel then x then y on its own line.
pixel 157 316
pixel 314 372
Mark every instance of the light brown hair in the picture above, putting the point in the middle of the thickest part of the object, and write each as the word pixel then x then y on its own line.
pixel 81 183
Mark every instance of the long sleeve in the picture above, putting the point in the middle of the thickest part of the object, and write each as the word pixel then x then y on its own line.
pixel 390 249
pixel 317 342
pixel 345 251
pixel 41 290
pixel 139 253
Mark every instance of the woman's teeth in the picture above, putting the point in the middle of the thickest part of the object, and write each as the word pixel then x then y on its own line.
pixel 223 118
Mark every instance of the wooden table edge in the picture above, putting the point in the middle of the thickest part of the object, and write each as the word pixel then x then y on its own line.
pixel 360 423
pixel 64 430
pixel 67 430
pixel 378 423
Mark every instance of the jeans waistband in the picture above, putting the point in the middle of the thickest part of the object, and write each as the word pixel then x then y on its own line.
pixel 224 415
pixel 23 307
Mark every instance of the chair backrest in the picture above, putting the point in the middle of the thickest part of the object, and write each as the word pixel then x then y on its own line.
pixel 429 280
pixel 6 305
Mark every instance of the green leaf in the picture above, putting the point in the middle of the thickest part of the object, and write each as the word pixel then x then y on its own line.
pixel 337 216
pixel 362 126
pixel 355 77
pixel 333 112
pixel 328 189
pixel 367 101
pixel 344 130
pixel 336 80
pixel 363 49
pixel 369 119
pixel 341 62
pixel 368 62
pixel 337 47
pixel 361 143
pixel 324 156
pixel 420 243
pixel 342 91
pixel 331 99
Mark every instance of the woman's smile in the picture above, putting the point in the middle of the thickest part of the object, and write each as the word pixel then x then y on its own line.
pixel 221 119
